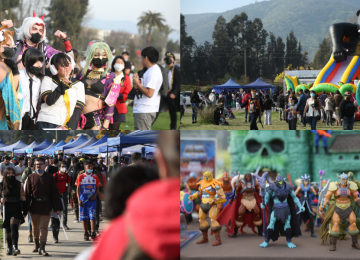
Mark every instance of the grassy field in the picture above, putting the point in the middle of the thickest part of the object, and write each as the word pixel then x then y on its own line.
pixel 161 123
pixel 239 123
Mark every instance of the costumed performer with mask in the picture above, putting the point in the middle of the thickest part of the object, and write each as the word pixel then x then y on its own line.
pixel 101 90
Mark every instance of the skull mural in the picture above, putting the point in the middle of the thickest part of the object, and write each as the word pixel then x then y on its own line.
pixel 275 151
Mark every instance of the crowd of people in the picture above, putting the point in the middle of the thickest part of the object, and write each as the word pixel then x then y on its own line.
pixel 41 188
pixel 44 88
pixel 304 105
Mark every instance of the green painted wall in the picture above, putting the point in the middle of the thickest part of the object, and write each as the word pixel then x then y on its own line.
pixel 297 158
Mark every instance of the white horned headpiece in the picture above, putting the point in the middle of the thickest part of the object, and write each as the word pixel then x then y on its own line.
pixel 305 178
pixel 23 32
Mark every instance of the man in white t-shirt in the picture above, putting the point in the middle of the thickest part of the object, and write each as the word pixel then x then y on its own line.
pixel 146 104
pixel 19 169
pixel 6 163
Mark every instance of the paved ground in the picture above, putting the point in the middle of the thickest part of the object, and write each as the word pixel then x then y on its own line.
pixel 246 246
pixel 65 249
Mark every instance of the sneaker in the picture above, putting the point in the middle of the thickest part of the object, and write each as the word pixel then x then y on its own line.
pixel 76 220
pixel 86 236
pixel 93 236
pixel 30 239
pixel 66 227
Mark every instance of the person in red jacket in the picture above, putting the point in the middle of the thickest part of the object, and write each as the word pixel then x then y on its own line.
pixel 141 231
pixel 245 98
pixel 118 67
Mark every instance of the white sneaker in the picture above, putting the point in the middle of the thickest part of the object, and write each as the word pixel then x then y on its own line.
pixel 76 220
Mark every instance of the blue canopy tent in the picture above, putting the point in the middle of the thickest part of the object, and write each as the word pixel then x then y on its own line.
pixel 137 137
pixel 49 147
pixel 259 84
pixel 52 149
pixel 10 148
pixel 2 144
pixel 144 150
pixel 30 146
pixel 80 140
pixel 85 144
pixel 229 85
pixel 94 148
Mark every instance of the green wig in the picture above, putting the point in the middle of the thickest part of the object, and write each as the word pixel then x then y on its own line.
pixel 90 52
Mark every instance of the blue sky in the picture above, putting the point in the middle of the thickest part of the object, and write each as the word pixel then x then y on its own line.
pixel 211 6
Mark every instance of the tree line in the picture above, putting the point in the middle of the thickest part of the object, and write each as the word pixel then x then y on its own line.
pixel 236 43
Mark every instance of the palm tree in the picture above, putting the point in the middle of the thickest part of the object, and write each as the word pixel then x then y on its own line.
pixel 166 30
pixel 150 20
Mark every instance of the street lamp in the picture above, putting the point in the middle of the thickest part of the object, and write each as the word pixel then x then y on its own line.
pixel 48 132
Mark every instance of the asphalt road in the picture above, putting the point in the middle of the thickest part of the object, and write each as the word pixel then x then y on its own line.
pixel 65 249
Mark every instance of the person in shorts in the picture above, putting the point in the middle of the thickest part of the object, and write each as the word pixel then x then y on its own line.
pixel 87 189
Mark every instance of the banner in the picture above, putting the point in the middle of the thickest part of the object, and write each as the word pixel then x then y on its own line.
pixel 197 156
pixel 29 150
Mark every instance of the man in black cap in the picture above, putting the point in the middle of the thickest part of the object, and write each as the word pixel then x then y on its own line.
pixel 174 87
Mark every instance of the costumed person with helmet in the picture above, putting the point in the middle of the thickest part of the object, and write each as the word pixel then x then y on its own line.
pixel 102 90
pixel 246 210
pixel 62 100
pixel 209 187
pixel 32 34
pixel 344 191
pixel 10 89
pixel 304 190
pixel 281 200
pixel 172 98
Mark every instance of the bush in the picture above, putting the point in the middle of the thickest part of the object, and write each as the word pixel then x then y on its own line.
pixel 206 115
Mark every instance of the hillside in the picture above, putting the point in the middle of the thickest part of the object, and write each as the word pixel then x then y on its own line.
pixel 309 19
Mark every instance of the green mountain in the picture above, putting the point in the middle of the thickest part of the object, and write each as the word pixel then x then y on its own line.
pixel 309 19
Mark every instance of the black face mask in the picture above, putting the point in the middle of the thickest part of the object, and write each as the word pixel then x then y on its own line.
pixel 168 61
pixel 35 70
pixel 99 63
pixel 35 37
pixel 8 52
pixel 12 178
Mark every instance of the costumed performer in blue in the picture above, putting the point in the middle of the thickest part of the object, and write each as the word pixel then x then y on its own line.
pixel 281 200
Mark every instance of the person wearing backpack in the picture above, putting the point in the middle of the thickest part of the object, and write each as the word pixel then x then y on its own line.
pixel 256 108
pixel 147 102
pixel 62 178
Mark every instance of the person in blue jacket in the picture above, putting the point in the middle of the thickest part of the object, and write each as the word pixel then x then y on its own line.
pixel 301 106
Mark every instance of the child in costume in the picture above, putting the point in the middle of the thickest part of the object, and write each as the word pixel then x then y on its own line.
pixel 281 200
pixel 304 189
pixel 209 187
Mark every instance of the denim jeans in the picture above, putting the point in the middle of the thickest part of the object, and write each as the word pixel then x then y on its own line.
pixel 195 107
pixel 348 123
pixel 246 113
pixel 313 121
pixel 303 119
pixel 267 117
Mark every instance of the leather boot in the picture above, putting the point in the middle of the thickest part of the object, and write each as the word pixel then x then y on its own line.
pixel 204 239
pixel 333 240
pixel 316 149
pixel 326 150
pixel 312 231
pixel 42 249
pixel 355 242
pixel 37 245
pixel 218 239
pixel 9 242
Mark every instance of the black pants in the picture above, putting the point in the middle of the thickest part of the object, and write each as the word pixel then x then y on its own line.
pixel 12 229
pixel 292 124
pixel 252 118
pixel 64 196
pixel 55 226
pixel 172 112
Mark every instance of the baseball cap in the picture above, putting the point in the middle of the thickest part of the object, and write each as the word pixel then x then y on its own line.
pixel 170 54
